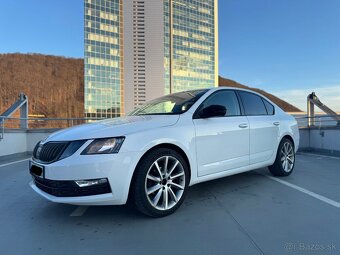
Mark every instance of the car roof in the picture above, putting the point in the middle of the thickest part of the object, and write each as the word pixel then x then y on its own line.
pixel 233 88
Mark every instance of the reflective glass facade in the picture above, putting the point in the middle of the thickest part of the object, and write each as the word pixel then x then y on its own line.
pixel 188 52
pixel 191 47
pixel 104 82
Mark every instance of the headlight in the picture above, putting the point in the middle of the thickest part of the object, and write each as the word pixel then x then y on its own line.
pixel 104 146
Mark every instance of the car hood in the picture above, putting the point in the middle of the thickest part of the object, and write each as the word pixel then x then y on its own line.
pixel 113 127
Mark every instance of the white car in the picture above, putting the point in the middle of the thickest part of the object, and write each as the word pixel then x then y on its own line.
pixel 152 155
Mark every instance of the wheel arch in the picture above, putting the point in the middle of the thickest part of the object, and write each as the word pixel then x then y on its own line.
pixel 162 145
pixel 289 137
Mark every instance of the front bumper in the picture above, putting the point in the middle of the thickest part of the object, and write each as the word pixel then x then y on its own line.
pixel 58 184
pixel 104 199
pixel 70 188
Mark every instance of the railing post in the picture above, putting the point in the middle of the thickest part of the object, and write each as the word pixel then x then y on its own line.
pixel 2 127
pixel 310 110
pixel 24 112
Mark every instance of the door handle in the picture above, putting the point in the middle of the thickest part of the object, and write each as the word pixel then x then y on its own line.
pixel 243 125
pixel 276 123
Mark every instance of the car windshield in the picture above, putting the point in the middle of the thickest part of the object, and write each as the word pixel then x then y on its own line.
pixel 176 103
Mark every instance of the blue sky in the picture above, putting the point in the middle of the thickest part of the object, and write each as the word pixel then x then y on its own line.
pixel 287 47
pixel 42 26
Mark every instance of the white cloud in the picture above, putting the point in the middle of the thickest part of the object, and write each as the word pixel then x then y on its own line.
pixel 330 96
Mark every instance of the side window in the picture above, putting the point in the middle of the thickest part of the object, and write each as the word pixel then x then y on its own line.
pixel 227 98
pixel 253 104
pixel 270 108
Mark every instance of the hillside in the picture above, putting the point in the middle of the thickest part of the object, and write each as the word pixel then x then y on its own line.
pixel 55 85
pixel 283 104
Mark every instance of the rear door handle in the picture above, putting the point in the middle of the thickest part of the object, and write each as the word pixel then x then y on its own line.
pixel 276 123
pixel 243 125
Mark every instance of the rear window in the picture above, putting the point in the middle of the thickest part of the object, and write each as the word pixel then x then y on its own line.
pixel 253 104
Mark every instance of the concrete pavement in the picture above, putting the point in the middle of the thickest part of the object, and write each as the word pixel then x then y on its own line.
pixel 243 214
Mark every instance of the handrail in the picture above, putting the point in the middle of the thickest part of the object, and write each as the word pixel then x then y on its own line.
pixel 317 116
pixel 37 123
pixel 16 118
pixel 318 121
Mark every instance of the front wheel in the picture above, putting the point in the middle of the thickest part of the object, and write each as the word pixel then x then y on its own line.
pixel 160 182
pixel 285 159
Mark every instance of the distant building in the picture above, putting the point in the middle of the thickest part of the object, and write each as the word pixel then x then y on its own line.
pixel 138 50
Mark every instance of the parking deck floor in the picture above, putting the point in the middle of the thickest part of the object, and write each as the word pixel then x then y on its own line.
pixel 250 213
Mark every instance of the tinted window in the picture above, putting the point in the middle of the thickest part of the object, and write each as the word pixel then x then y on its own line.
pixel 269 107
pixel 253 104
pixel 226 98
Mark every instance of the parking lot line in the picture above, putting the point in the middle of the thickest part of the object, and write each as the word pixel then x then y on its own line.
pixel 14 162
pixel 319 155
pixel 79 211
pixel 308 192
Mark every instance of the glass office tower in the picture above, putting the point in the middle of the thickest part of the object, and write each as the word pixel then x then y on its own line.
pixel 190 44
pixel 137 50
pixel 104 72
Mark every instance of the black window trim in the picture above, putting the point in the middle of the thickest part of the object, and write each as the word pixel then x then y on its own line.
pixel 262 99
pixel 240 102
pixel 195 115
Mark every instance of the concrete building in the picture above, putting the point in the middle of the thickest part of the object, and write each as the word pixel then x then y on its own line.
pixel 137 50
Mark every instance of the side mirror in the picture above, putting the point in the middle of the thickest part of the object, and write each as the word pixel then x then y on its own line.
pixel 212 111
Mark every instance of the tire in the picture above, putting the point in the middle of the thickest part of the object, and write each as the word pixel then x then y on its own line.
pixel 158 193
pixel 285 159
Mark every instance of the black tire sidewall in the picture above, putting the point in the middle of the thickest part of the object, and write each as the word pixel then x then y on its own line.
pixel 140 197
pixel 276 169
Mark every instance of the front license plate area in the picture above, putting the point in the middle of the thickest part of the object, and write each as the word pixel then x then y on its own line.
pixel 37 170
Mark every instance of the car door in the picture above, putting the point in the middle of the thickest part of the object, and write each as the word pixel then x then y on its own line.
pixel 222 143
pixel 264 126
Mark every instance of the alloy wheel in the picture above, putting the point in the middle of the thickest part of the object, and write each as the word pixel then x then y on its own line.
pixel 165 182
pixel 287 157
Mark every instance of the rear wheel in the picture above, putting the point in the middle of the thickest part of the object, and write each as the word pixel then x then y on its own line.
pixel 160 182
pixel 285 159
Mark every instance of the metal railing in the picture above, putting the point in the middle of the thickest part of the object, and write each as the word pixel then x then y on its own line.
pixel 41 123
pixel 20 105
pixel 318 121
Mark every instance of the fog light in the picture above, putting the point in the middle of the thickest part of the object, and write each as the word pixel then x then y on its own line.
pixel 88 183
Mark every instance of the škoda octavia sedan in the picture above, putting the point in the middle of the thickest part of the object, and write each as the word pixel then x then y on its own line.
pixel 152 155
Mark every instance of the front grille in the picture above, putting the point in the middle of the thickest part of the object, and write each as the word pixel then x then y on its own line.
pixel 70 188
pixel 49 152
